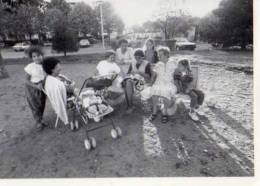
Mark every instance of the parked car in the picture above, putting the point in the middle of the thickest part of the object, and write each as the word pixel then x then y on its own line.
pixel 92 40
pixel 84 43
pixel 249 47
pixel 2 44
pixel 21 46
pixel 47 44
pixel 184 44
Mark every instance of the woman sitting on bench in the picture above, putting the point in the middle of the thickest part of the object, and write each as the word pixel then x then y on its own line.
pixel 183 78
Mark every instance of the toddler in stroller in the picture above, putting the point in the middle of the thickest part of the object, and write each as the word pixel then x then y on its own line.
pixel 93 104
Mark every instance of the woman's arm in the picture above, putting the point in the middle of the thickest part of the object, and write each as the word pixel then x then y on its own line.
pixel 148 72
pixel 153 78
pixel 156 59
pixel 129 69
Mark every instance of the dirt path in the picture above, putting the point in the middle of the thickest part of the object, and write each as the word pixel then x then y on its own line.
pixel 221 144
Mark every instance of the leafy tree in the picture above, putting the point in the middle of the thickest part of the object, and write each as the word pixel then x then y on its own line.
pixel 64 40
pixel 25 2
pixel 230 24
pixel 4 15
pixel 62 5
pixel 150 26
pixel 28 20
pixel 171 25
pixel 13 5
pixel 53 18
pixel 208 29
pixel 64 37
pixel 112 22
pixel 236 21
pixel 83 19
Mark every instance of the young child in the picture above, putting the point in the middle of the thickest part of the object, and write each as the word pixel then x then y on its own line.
pixel 33 87
pixel 163 89
pixel 183 78
pixel 93 103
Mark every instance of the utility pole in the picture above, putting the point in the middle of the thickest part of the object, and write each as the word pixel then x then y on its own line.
pixel 102 23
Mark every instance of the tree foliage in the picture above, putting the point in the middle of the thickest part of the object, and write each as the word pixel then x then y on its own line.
pixel 53 19
pixel 64 37
pixel 62 5
pixel 112 22
pixel 233 22
pixel 29 20
pixel 4 20
pixel 171 26
pixel 64 40
pixel 83 19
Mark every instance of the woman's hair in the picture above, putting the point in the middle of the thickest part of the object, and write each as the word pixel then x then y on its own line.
pixel 109 53
pixel 185 63
pixel 122 41
pixel 165 50
pixel 139 52
pixel 149 40
pixel 34 49
pixel 49 64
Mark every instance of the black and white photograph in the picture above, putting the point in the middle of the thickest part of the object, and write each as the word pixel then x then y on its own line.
pixel 126 89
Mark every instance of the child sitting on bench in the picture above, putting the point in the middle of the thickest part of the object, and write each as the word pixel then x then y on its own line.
pixel 183 79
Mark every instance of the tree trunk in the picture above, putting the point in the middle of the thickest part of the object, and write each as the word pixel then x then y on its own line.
pixel 3 71
pixel 65 53
pixel 196 34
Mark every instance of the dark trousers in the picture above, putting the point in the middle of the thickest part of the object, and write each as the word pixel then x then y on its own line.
pixel 197 98
pixel 36 100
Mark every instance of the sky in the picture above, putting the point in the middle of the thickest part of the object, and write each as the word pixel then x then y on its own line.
pixel 138 11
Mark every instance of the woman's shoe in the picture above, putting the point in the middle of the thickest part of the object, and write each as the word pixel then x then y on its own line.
pixel 39 127
pixel 165 119
pixel 44 124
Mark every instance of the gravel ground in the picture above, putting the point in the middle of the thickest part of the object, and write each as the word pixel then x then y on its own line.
pixel 220 144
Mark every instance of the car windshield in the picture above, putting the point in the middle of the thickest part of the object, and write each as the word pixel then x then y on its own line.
pixel 181 40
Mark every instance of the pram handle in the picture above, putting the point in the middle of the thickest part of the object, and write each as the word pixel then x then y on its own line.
pixel 97 77
pixel 105 76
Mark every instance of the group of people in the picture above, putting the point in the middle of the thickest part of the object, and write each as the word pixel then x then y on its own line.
pixel 162 80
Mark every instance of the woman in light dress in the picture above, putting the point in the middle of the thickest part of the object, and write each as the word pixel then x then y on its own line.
pixel 163 90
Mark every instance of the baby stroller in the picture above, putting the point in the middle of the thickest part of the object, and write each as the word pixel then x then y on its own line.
pixel 90 104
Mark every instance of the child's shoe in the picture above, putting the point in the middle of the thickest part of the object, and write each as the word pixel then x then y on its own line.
pixel 193 115
pixel 200 112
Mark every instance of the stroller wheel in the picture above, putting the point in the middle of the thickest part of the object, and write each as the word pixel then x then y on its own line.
pixel 114 133
pixel 119 131
pixel 93 142
pixel 87 144
pixel 85 119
